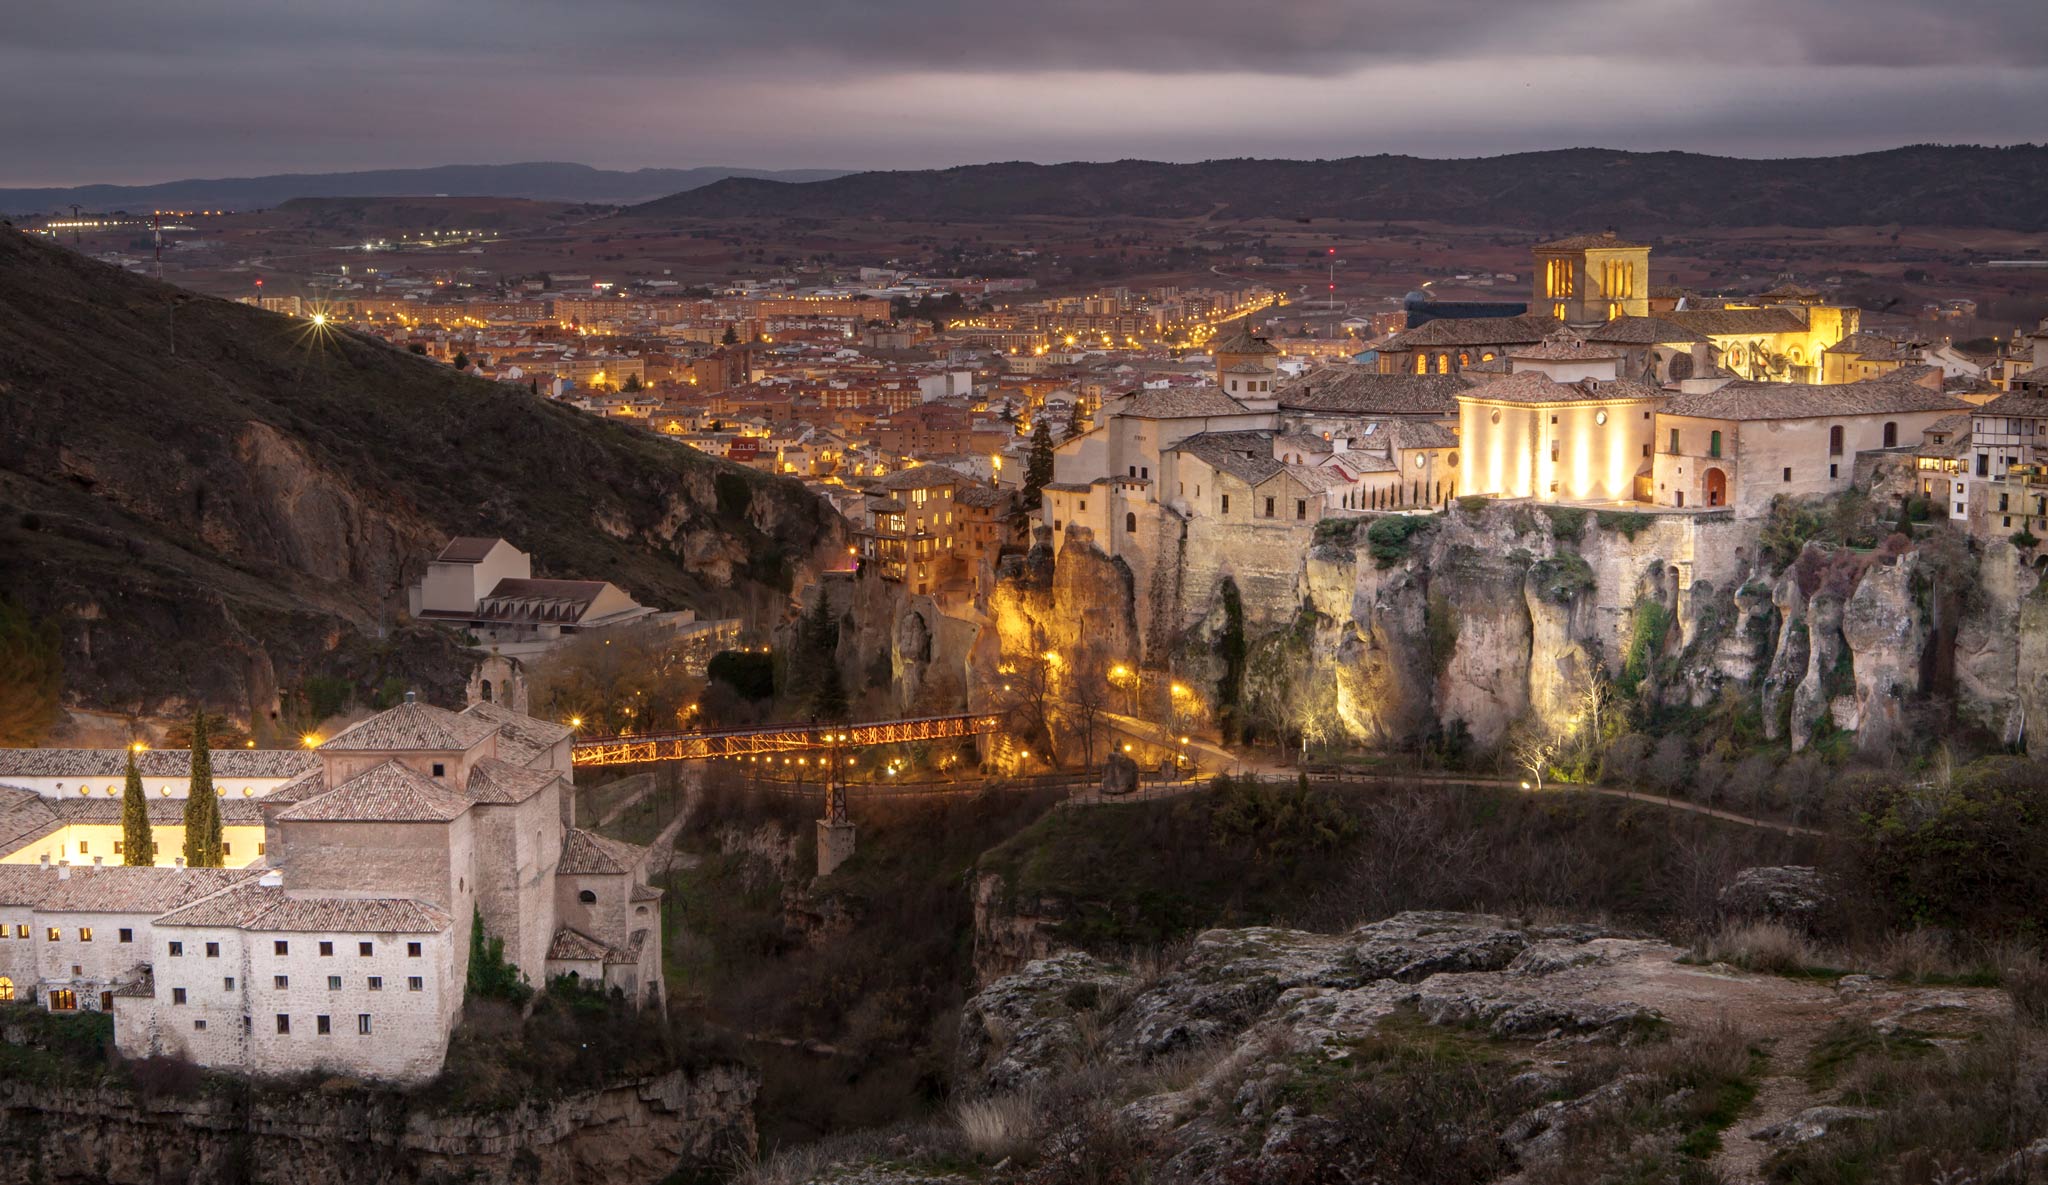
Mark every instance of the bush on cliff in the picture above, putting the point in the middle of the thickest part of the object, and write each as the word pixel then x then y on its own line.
pixel 1389 538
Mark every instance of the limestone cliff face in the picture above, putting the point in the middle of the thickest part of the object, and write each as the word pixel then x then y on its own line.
pixel 1485 616
pixel 629 1134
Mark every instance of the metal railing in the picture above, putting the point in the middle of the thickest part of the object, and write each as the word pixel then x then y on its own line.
pixel 746 742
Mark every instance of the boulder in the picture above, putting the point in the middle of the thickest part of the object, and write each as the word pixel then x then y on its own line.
pixel 1119 774
pixel 1811 1124
pixel 1793 893
pixel 1021 1030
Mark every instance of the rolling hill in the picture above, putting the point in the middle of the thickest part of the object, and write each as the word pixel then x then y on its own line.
pixel 214 503
pixel 541 180
pixel 1568 189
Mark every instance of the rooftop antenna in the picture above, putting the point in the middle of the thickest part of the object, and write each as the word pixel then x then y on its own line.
pixel 74 224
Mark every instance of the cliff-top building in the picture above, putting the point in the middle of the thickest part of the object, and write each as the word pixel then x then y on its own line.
pixel 342 943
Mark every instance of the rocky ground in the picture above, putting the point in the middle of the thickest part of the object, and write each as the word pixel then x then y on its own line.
pixel 1425 1046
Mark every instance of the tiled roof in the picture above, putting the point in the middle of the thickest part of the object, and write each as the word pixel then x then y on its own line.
pixel 1739 322
pixel 630 953
pixel 1949 425
pixel 586 853
pixel 2017 406
pixel 521 738
pixel 1413 434
pixel 1605 238
pixel 1642 331
pixel 1183 404
pixel 1800 401
pixel 2038 374
pixel 574 946
pixel 467 549
pixel 1562 346
pixel 389 793
pixel 412 727
pixel 1244 455
pixel 539 602
pixel 1301 442
pixel 1872 348
pixel 498 782
pixel 921 477
pixel 981 496
pixel 1247 368
pixel 154 763
pixel 254 906
pixel 114 888
pixel 1472 331
pixel 1358 391
pixel 235 811
pixel 1239 339
pixel 1314 478
pixel 1532 387
pixel 645 892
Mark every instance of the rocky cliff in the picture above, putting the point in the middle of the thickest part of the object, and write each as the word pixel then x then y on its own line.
pixel 1491 616
pixel 212 500
pixel 628 1134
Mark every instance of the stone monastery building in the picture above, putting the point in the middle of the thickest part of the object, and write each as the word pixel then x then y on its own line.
pixel 339 940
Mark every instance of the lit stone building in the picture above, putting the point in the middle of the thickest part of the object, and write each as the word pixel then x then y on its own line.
pixel 346 947
pixel 486 587
pixel 2004 478
pixel 1588 278
pixel 1744 444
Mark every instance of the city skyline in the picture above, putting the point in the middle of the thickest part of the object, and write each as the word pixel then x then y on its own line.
pixel 233 88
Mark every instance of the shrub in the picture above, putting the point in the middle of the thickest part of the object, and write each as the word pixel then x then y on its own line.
pixel 1645 642
pixel 1562 577
pixel 1761 946
pixel 751 675
pixel 2024 539
pixel 1627 523
pixel 1388 538
pixel 1440 628
pixel 1567 523
pixel 1000 1127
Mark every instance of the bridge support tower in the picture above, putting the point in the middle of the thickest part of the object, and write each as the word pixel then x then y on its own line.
pixel 835 830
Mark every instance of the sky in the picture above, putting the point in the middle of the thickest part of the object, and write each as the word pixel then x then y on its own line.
pixel 125 91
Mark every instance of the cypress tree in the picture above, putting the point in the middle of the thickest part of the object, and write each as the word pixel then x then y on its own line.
pixel 137 847
pixel 202 805
pixel 1038 465
pixel 820 639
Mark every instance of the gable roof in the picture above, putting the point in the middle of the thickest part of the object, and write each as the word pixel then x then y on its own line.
pixel 495 782
pixel 521 738
pixel 1642 331
pixel 1801 401
pixel 920 477
pixel 1563 344
pixel 2017 405
pixel 1358 391
pixel 412 727
pixel 574 946
pixel 1186 403
pixel 586 853
pixel 389 793
pixel 257 906
pixel 467 549
pixel 1239 339
pixel 228 764
pixel 113 888
pixel 1739 322
pixel 1247 456
pixel 1529 386
pixel 1473 331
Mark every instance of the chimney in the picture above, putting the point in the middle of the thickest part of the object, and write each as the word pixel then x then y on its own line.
pixel 97 861
pixel 64 871
pixel 409 697
pixel 46 859
pixel 271 880
pixel 179 861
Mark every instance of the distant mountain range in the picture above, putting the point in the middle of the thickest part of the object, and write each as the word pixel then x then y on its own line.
pixel 539 180
pixel 1926 185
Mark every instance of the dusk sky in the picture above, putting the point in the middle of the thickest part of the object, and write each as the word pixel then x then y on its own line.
pixel 125 91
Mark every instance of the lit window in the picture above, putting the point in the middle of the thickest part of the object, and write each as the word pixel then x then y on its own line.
pixel 54 934
pixel 85 933
pixel 63 1000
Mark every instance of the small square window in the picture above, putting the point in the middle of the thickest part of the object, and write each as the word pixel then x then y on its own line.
pixel 117 847
pixel 322 1025
pixel 280 982
pixel 227 849
pixel 85 933
pixel 412 950
pixel 326 949
pixel 199 1026
pixel 281 947
pixel 440 770
pixel 125 934
pixel 334 983
pixel 376 983
pixel 366 949
pixel 414 983
pixel 227 983
pixel 213 950
pixel 54 934
pixel 177 995
pixel 177 949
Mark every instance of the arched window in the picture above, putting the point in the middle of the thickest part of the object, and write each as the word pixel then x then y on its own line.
pixel 1891 434
pixel 1835 441
pixel 1443 364
pixel 6 989
pixel 587 897
pixel 487 691
pixel 1422 364
pixel 1130 522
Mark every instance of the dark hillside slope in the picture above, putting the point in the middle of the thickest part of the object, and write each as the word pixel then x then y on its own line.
pixel 219 523
pixel 1571 189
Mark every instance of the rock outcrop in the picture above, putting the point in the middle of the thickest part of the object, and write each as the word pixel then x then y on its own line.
pixel 634 1133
